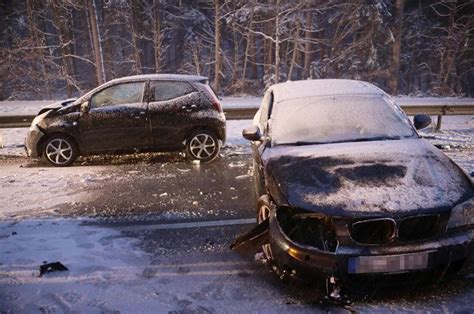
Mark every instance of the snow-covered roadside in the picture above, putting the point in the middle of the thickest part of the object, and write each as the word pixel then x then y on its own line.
pixel 109 273
pixel 42 190
pixel 103 267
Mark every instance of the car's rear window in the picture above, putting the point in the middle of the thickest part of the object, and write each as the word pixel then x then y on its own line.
pixel 166 90
pixel 337 118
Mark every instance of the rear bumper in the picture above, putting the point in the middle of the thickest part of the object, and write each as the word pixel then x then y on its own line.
pixel 33 137
pixel 453 253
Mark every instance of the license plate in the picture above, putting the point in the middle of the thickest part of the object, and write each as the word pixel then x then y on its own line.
pixel 388 264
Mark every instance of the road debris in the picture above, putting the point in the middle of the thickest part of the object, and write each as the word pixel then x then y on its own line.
pixel 51 267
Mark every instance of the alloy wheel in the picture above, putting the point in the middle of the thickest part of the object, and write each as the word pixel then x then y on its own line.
pixel 59 151
pixel 202 146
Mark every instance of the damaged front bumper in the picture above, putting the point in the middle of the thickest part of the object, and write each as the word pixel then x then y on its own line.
pixel 452 254
pixel 33 137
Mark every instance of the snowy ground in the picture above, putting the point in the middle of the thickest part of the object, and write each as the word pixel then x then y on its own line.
pixel 151 232
pixel 175 271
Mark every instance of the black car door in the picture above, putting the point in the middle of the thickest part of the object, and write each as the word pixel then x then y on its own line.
pixel 170 111
pixel 116 119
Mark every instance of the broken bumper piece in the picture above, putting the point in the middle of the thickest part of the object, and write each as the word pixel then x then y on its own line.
pixel 452 254
pixel 33 137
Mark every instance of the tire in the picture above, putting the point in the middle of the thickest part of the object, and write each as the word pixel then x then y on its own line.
pixel 203 146
pixel 60 150
pixel 263 213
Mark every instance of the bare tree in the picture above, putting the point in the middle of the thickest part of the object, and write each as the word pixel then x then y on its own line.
pixel 396 48
pixel 217 47
pixel 62 24
pixel 96 41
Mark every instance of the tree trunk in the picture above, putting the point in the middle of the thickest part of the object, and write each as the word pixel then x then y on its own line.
pixel 135 38
pixel 107 41
pixel 99 61
pixel 294 55
pixel 253 55
pixel 157 35
pixel 38 40
pixel 396 48
pixel 307 44
pixel 61 22
pixel 450 45
pixel 248 43
pixel 267 49
pixel 217 48
pixel 277 42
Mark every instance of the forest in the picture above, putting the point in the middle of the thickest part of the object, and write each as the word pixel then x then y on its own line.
pixel 52 49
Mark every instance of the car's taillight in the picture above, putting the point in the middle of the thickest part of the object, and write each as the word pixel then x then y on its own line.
pixel 217 105
pixel 212 97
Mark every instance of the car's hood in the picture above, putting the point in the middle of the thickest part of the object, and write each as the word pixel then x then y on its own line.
pixel 367 178
pixel 57 105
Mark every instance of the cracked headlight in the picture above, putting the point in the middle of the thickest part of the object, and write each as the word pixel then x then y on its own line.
pixel 38 119
pixel 462 215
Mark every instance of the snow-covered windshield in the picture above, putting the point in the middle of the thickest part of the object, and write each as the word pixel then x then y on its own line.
pixel 337 119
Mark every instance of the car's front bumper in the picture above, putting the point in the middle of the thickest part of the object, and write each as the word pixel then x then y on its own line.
pixel 451 253
pixel 33 137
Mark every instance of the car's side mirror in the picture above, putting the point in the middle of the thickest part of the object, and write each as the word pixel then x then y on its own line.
pixel 421 121
pixel 252 133
pixel 85 106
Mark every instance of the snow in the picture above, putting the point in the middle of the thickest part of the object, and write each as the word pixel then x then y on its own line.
pixel 336 118
pixel 110 273
pixel 104 266
pixel 42 190
pixel 323 87
pixel 388 176
pixel 174 77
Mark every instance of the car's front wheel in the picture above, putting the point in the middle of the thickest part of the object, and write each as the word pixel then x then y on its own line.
pixel 60 150
pixel 203 146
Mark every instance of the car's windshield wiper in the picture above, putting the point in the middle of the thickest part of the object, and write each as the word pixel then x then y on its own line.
pixel 365 139
pixel 377 138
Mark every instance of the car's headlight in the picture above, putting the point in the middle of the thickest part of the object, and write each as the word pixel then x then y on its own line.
pixel 462 215
pixel 37 120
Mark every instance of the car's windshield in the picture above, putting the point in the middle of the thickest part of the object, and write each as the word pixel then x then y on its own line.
pixel 339 118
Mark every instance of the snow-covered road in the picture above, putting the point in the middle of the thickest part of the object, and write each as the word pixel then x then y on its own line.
pixel 186 270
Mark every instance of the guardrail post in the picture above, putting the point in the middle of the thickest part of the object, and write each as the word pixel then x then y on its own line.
pixel 438 123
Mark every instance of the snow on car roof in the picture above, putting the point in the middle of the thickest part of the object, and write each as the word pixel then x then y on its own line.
pixel 324 87
pixel 168 77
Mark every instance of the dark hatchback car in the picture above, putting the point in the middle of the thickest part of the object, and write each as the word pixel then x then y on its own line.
pixel 159 112
pixel 349 191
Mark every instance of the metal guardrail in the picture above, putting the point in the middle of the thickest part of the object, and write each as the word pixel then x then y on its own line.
pixel 24 121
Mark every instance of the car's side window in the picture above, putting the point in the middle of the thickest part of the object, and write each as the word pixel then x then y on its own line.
pixel 125 93
pixel 166 90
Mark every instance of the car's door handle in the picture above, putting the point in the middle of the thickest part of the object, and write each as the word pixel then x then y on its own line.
pixel 142 113
pixel 189 108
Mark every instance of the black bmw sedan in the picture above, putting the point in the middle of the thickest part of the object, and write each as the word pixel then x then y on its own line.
pixel 159 112
pixel 348 190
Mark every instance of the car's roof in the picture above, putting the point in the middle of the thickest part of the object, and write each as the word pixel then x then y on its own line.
pixel 321 88
pixel 161 77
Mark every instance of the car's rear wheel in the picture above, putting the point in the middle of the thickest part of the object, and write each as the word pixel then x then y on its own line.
pixel 60 150
pixel 264 213
pixel 203 146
